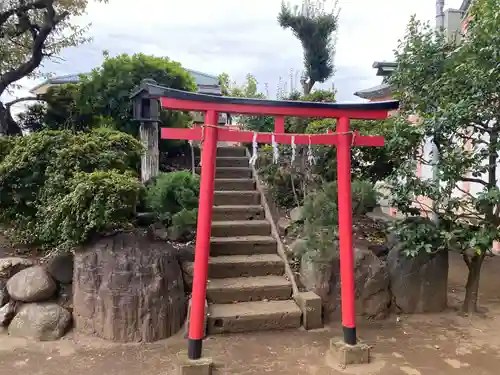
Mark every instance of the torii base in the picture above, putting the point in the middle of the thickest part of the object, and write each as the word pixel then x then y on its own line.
pixel 347 354
pixel 186 366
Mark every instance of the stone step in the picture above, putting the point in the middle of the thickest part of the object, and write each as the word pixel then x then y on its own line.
pixel 232 198
pixel 229 161
pixel 246 289
pixel 225 151
pixel 249 245
pixel 231 172
pixel 253 316
pixel 231 152
pixel 225 213
pixel 241 228
pixel 234 184
pixel 254 265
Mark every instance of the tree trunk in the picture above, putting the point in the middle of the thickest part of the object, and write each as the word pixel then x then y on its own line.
pixel 150 161
pixel 472 286
pixel 7 124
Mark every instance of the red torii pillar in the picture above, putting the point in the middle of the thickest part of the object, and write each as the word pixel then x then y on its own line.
pixel 210 134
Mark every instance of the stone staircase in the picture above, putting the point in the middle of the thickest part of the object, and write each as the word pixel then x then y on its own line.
pixel 247 288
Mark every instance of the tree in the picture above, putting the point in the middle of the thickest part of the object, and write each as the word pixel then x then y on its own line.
pixel 314 26
pixel 454 91
pixel 248 90
pixel 103 96
pixel 32 30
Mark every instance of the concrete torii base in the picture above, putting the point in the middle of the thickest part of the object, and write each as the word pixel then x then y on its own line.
pixel 349 354
pixel 186 366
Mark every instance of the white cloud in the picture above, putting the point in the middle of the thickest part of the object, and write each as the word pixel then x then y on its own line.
pixel 242 36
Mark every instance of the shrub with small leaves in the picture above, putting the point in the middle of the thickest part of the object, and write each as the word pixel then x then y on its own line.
pixel 174 198
pixel 98 202
pixel 321 216
pixel 38 172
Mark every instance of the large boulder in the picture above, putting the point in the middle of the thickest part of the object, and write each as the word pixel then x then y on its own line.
pixel 60 267
pixel 32 284
pixel 7 312
pixel 11 265
pixel 373 296
pixel 4 296
pixel 128 288
pixel 418 284
pixel 40 321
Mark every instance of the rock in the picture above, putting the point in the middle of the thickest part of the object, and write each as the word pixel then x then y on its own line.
pixel 160 232
pixel 40 321
pixel 297 214
pixel 283 226
pixel 187 275
pixel 12 265
pixel 32 284
pixel 175 233
pixel 128 288
pixel 419 284
pixel 65 297
pixel 372 284
pixel 298 246
pixel 4 296
pixel 60 267
pixel 7 312
pixel 373 296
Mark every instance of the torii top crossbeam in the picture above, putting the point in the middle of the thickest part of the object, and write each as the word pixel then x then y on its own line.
pixel 187 101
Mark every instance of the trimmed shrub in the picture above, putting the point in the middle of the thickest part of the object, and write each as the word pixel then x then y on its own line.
pixel 38 173
pixel 173 197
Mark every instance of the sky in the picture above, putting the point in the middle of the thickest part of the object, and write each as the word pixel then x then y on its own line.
pixel 240 37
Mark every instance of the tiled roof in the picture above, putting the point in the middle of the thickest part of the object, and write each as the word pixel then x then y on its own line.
pixel 202 79
pixel 379 91
pixel 465 5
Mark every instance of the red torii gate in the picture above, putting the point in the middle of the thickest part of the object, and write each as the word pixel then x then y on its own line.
pixel 210 134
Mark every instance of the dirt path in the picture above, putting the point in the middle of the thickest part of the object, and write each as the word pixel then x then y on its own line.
pixel 441 344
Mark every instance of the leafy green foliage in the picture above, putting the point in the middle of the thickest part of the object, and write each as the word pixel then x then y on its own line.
pixel 174 198
pixel 40 171
pixel 97 202
pixel 248 90
pixel 103 96
pixel 314 26
pixel 320 214
pixel 31 31
pixel 453 89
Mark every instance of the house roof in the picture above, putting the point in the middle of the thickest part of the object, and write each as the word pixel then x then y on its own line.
pixel 202 79
pixel 379 91
pixel 384 68
pixel 465 5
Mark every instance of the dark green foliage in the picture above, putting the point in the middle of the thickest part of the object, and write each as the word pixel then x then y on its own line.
pixel 314 27
pixel 453 89
pixel 40 170
pixel 320 214
pixel 174 197
pixel 103 96
pixel 97 202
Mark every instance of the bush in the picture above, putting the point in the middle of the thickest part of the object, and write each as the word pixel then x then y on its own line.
pixel 39 171
pixel 98 202
pixel 321 216
pixel 174 197
pixel 279 177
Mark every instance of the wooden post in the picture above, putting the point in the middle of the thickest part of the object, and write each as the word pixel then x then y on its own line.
pixel 150 159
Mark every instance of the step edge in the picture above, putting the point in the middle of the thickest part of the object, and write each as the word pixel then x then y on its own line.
pixel 258 239
pixel 292 309
pixel 240 222
pixel 285 283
